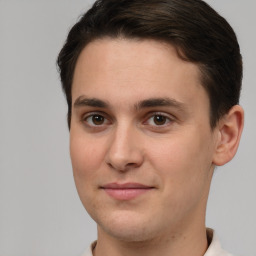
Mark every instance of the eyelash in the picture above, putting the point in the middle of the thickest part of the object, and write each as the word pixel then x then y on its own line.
pixel 167 119
pixel 91 115
pixel 151 116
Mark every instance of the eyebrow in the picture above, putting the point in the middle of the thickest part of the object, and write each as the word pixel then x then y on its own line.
pixel 160 102
pixel 83 101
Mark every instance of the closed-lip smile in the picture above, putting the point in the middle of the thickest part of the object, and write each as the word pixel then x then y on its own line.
pixel 125 191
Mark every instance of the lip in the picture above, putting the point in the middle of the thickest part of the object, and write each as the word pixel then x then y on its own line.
pixel 126 191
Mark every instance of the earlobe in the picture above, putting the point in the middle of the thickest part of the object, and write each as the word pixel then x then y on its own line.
pixel 229 133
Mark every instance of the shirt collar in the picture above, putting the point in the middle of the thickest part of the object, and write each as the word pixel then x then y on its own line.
pixel 214 248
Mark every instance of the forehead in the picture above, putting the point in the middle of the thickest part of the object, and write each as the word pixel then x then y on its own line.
pixel 131 69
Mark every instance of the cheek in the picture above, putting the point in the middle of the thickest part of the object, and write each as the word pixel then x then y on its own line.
pixel 87 157
pixel 174 155
pixel 183 163
pixel 185 180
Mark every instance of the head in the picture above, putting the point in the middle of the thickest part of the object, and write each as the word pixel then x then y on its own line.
pixel 200 36
pixel 152 90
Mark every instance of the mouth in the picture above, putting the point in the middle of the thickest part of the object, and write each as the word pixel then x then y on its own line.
pixel 126 191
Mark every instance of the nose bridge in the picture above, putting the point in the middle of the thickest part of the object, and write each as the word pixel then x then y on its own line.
pixel 124 150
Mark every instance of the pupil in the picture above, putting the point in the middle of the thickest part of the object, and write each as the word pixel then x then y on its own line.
pixel 159 120
pixel 97 119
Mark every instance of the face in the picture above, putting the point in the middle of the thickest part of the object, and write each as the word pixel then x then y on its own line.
pixel 140 140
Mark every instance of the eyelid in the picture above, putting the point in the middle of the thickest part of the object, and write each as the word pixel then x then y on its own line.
pixel 108 120
pixel 170 117
pixel 92 113
pixel 160 113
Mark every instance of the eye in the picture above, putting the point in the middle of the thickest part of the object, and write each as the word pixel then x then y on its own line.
pixel 159 120
pixel 95 120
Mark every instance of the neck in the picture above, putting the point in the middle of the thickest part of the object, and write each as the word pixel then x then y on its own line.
pixel 173 243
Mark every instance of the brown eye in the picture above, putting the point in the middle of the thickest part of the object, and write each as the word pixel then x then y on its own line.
pixel 160 120
pixel 95 120
pixel 98 119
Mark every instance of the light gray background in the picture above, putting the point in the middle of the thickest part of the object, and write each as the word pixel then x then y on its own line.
pixel 40 212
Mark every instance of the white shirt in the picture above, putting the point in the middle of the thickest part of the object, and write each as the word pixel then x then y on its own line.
pixel 213 250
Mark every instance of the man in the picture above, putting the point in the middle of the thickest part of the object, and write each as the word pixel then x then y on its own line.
pixel 152 89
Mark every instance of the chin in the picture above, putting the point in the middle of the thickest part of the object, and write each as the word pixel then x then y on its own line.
pixel 128 234
pixel 128 227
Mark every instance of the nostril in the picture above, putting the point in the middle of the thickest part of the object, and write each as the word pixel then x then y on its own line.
pixel 122 168
pixel 131 165
pixel 124 155
pixel 110 165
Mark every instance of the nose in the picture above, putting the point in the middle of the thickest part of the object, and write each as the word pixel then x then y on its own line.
pixel 125 150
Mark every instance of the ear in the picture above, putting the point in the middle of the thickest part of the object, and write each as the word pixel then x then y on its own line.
pixel 229 131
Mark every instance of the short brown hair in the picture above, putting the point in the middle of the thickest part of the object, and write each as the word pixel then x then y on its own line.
pixel 198 32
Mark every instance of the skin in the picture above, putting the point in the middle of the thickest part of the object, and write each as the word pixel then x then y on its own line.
pixel 140 114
